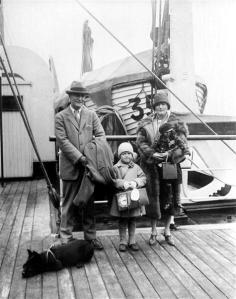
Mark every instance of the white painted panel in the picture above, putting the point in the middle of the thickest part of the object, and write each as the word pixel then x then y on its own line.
pixel 182 66
pixel 120 100
pixel 17 149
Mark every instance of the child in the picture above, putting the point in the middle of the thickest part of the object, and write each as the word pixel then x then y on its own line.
pixel 128 176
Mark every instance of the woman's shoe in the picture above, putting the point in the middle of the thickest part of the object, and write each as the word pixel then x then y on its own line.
pixel 173 226
pixel 152 240
pixel 122 247
pixel 169 240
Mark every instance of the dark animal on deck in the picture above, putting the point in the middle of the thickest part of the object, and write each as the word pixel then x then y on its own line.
pixel 75 253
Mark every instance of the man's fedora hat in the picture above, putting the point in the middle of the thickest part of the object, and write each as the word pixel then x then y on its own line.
pixel 77 89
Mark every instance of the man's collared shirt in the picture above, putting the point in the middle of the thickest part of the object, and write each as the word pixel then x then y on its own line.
pixel 76 113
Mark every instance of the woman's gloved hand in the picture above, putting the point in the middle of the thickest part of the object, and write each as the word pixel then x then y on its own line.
pixel 160 157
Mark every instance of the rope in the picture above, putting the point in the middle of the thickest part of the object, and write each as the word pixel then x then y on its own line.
pixel 152 73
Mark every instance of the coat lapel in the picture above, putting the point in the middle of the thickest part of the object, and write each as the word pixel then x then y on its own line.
pixel 83 118
pixel 71 117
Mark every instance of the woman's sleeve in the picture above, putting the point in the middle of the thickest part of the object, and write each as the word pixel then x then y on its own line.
pixel 144 148
pixel 141 178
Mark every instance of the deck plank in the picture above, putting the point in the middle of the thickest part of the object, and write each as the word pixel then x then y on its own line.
pixel 50 288
pixel 200 266
pixel 9 211
pixel 14 223
pixel 169 256
pixel 4 194
pixel 231 233
pixel 214 253
pixel 18 287
pixel 194 272
pixel 126 281
pixel 169 277
pixel 6 219
pixel 34 284
pixel 208 255
pixel 158 283
pixel 225 237
pixel 211 241
pixel 96 284
pixel 212 280
pixel 228 246
pixel 8 201
pixel 111 282
pixel 135 271
pixel 65 284
pixel 81 284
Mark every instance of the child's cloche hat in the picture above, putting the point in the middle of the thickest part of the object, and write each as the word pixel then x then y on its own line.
pixel 125 147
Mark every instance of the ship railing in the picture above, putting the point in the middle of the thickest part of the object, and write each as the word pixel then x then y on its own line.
pixel 133 138
pixel 190 137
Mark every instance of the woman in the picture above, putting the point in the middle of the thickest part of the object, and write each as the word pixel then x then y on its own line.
pixel 150 161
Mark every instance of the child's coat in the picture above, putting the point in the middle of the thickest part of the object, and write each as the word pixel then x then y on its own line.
pixel 132 173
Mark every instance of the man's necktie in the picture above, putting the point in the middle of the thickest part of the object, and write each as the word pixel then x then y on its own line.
pixel 77 117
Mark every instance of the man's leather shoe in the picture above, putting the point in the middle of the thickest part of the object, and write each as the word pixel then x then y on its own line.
pixel 134 247
pixel 97 244
pixel 122 247
pixel 152 240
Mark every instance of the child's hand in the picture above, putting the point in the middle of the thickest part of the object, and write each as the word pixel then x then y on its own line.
pixel 126 185
pixel 133 184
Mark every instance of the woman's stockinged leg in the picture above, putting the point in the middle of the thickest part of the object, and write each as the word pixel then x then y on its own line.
pixel 167 225
pixel 154 227
pixel 167 235
pixel 153 237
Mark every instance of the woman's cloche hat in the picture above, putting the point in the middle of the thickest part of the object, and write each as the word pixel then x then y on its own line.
pixel 161 97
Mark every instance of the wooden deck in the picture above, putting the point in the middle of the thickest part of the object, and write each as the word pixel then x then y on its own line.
pixel 202 265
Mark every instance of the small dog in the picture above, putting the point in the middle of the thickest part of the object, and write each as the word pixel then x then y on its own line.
pixel 75 253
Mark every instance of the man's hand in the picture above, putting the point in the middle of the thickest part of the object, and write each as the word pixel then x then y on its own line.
pixel 83 160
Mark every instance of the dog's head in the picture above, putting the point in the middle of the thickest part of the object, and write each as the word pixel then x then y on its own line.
pixel 33 265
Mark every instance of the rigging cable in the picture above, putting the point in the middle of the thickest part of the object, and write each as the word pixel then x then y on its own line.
pixel 152 73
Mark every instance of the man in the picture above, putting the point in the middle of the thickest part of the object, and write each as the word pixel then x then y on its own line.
pixel 75 127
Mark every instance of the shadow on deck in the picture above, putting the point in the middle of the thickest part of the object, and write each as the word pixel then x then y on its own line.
pixel 202 265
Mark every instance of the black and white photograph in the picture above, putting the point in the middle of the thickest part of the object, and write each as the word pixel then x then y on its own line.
pixel 117 149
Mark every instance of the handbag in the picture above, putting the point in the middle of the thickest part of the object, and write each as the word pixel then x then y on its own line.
pixel 169 171
pixel 131 199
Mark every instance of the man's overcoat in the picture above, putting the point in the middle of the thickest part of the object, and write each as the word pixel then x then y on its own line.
pixel 72 137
